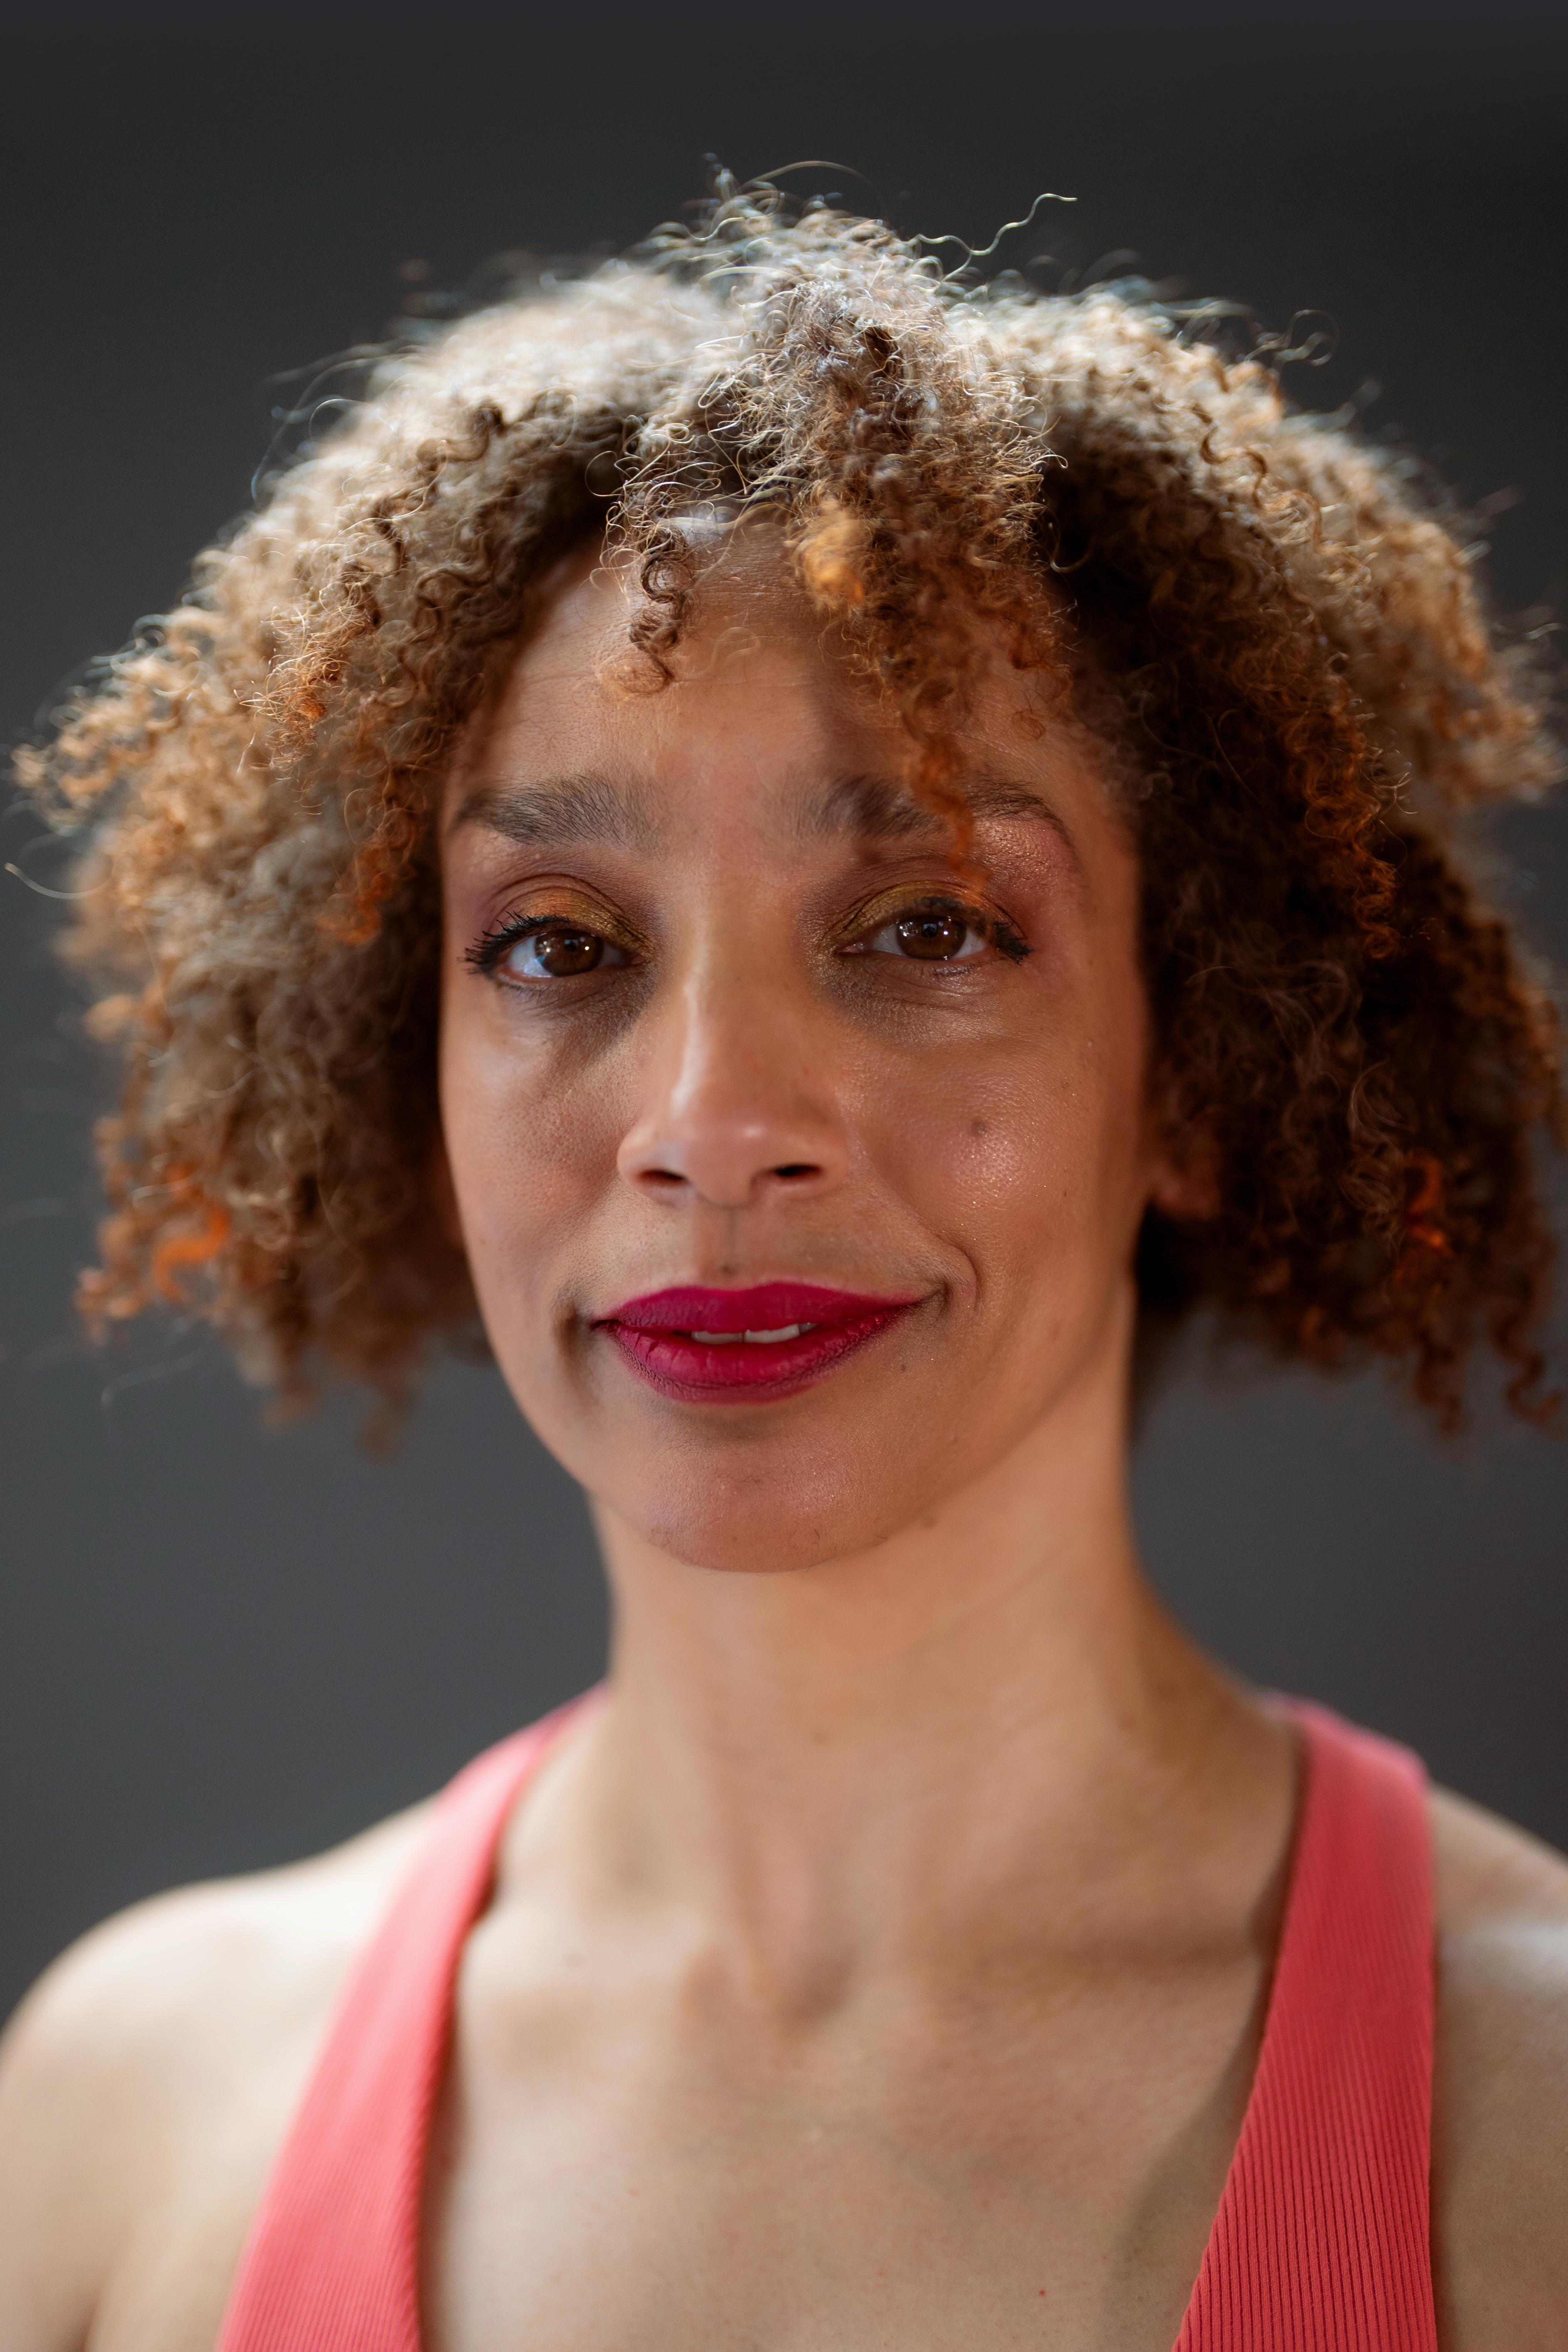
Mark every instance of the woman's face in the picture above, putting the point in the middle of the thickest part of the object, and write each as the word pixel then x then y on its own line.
pixel 799 1177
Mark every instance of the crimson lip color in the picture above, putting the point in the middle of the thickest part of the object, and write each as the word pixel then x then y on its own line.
pixel 717 1347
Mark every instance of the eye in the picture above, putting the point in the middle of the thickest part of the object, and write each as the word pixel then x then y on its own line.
pixel 533 951
pixel 933 934
pixel 940 930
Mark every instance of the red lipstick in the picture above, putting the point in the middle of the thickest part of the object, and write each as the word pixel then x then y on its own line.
pixel 709 1346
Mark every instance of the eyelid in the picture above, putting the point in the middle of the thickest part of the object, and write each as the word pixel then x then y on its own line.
pixel 558 903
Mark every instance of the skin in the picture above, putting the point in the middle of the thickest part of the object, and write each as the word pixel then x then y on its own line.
pixel 882 1964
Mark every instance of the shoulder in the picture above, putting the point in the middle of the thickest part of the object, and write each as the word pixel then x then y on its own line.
pixel 166 2049
pixel 1501 2107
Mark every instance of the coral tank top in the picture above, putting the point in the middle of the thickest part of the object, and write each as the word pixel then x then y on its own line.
pixel 1322 2243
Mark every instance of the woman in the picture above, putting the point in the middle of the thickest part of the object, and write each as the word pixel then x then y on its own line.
pixel 835 854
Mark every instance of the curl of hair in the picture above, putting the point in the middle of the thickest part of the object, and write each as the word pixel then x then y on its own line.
pixel 1286 649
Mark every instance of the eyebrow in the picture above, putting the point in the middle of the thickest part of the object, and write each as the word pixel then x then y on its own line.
pixel 876 808
pixel 568 811
pixel 573 812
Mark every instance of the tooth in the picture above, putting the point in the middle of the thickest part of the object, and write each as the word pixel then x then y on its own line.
pixel 757 1338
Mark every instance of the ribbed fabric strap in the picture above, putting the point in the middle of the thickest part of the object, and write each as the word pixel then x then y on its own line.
pixel 1323 2241
pixel 332 2260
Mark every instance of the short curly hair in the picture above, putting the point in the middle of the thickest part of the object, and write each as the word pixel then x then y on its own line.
pixel 1282 634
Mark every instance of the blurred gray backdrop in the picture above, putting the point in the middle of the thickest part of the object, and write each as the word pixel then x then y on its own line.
pixel 221 1647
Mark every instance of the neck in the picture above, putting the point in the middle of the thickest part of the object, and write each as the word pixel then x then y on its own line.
pixel 844 1765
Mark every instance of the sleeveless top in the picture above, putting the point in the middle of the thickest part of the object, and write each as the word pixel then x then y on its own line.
pixel 1322 2243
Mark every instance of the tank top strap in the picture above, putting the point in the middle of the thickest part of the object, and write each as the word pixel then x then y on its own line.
pixel 1323 2241
pixel 331 2260
pixel 1322 2238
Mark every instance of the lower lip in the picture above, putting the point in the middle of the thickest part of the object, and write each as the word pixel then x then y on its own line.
pixel 746 1370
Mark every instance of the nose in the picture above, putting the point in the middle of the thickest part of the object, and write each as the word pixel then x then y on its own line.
pixel 737 1102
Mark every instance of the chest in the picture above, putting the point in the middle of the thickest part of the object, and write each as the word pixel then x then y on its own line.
pixel 662 2171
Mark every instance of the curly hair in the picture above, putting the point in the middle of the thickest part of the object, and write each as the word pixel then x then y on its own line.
pixel 1286 646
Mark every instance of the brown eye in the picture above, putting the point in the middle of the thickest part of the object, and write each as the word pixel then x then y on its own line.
pixel 929 934
pixel 935 937
pixel 563 953
pixel 554 951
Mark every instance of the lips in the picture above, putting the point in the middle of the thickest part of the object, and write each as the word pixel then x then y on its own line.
pixel 706 1346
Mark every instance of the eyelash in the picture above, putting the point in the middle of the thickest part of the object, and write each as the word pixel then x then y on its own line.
pixel 488 951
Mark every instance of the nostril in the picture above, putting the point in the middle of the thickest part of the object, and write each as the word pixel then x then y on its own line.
pixel 728 1176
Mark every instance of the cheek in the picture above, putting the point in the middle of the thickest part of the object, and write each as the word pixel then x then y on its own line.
pixel 1026 1153
pixel 528 1150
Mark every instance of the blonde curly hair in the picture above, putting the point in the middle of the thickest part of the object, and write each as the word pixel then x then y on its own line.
pixel 1288 648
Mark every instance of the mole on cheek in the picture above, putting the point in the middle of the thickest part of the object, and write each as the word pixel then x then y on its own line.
pixel 979 1128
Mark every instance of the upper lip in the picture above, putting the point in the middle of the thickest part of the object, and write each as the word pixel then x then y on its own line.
pixel 763 1307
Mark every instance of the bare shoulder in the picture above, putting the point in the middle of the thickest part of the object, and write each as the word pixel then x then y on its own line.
pixel 1501 2118
pixel 146 2082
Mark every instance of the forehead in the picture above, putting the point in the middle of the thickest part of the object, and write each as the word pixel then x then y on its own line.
pixel 749 644
pixel 764 720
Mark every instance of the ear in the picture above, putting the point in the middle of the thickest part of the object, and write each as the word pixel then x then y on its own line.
pixel 444 1194
pixel 1188 1193
pixel 1183 1171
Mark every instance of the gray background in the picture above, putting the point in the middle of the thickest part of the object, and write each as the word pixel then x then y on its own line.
pixel 220 1647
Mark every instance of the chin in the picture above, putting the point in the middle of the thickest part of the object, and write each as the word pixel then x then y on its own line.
pixel 756 1534
pixel 764 1520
